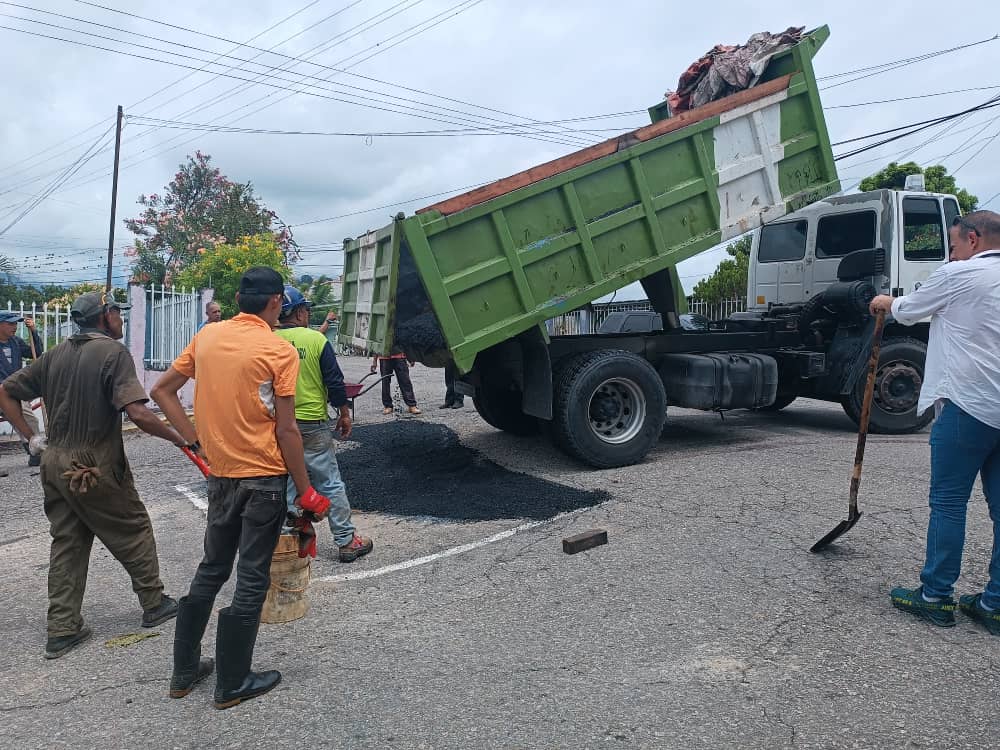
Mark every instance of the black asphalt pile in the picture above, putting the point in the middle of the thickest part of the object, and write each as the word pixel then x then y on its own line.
pixel 416 468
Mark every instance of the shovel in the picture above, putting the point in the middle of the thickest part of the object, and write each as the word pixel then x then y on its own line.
pixel 853 514
pixel 197 461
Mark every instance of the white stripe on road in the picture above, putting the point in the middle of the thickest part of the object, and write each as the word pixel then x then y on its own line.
pixel 462 548
pixel 196 500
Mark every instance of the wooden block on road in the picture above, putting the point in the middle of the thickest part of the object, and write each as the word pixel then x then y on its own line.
pixel 584 541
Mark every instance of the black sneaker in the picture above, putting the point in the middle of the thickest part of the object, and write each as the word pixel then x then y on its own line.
pixel 166 610
pixel 35 460
pixel 940 613
pixel 63 644
pixel 359 546
pixel 989 619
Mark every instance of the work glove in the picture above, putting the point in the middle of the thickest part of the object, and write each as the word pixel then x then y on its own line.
pixel 37 444
pixel 312 502
pixel 307 537
pixel 82 478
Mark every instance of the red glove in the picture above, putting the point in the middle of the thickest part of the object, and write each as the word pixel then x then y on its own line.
pixel 312 502
pixel 307 537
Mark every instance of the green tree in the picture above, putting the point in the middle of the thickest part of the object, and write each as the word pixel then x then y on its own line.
pixel 221 266
pixel 318 291
pixel 200 208
pixel 729 280
pixel 936 179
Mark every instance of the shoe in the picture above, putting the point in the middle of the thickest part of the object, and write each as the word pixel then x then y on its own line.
pixel 970 605
pixel 35 460
pixel 414 410
pixel 357 547
pixel 63 644
pixel 189 667
pixel 458 405
pixel 387 410
pixel 940 613
pixel 165 610
pixel 446 406
pixel 234 642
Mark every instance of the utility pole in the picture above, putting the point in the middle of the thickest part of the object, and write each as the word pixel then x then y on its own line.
pixel 114 196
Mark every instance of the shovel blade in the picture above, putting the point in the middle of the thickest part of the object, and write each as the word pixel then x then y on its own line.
pixel 839 530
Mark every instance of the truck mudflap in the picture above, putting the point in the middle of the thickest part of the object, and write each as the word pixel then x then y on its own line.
pixel 717 381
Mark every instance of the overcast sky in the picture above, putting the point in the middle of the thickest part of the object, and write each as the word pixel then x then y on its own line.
pixel 546 61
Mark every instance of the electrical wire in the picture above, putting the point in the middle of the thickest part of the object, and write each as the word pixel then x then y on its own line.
pixel 311 62
pixel 32 203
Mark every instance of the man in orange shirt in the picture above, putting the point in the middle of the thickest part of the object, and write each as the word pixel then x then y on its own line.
pixel 244 404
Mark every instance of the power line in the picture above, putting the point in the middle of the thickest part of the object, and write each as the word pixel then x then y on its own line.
pixel 174 83
pixel 311 62
pixel 910 98
pixel 895 65
pixel 430 23
pixel 397 108
pixel 34 202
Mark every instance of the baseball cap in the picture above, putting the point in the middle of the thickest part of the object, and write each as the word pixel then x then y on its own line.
pixel 261 280
pixel 9 316
pixel 88 306
pixel 293 298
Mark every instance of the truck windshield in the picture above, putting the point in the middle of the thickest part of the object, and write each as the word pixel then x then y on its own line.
pixel 839 234
pixel 782 241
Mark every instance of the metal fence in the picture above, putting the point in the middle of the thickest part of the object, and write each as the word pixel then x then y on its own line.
pixel 717 310
pixel 52 322
pixel 589 320
pixel 172 319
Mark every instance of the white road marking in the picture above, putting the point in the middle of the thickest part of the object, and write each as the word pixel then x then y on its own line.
pixel 462 548
pixel 196 500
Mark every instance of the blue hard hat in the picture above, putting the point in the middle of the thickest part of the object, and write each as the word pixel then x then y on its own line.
pixel 293 298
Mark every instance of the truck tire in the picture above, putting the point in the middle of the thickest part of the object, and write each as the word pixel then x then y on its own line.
pixel 898 379
pixel 501 408
pixel 608 408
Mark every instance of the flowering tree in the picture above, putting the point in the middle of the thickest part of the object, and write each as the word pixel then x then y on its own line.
pixel 221 266
pixel 200 209
pixel 65 297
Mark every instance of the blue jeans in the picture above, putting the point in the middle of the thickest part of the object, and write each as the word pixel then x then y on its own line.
pixel 961 447
pixel 324 474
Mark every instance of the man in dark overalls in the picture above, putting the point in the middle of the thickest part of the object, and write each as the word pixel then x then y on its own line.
pixel 86 382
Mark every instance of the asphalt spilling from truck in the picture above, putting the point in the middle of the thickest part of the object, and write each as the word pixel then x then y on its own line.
pixel 415 468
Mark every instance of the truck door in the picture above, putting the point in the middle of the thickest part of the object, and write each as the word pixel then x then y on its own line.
pixel 777 265
pixel 924 240
pixel 838 234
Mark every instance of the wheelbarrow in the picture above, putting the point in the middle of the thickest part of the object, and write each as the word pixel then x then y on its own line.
pixel 359 389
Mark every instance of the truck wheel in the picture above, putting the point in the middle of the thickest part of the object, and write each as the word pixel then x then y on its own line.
pixel 608 408
pixel 779 403
pixel 501 408
pixel 898 379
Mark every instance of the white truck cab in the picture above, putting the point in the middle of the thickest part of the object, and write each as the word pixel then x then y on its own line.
pixel 795 258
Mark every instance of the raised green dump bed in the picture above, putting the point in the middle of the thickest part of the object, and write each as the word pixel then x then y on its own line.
pixel 475 270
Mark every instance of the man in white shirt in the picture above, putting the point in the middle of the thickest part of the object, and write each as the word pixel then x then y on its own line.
pixel 962 383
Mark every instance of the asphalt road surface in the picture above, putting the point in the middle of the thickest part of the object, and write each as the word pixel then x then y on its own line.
pixel 703 623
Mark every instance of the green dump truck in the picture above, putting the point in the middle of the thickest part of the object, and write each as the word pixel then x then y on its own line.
pixel 472 280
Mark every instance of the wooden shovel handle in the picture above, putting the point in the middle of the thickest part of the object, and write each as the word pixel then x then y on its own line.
pixel 34 356
pixel 866 409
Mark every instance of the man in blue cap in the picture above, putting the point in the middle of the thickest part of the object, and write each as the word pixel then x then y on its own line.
pixel 321 381
pixel 13 351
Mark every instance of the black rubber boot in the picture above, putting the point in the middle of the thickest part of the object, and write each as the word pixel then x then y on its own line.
pixel 189 667
pixel 234 643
